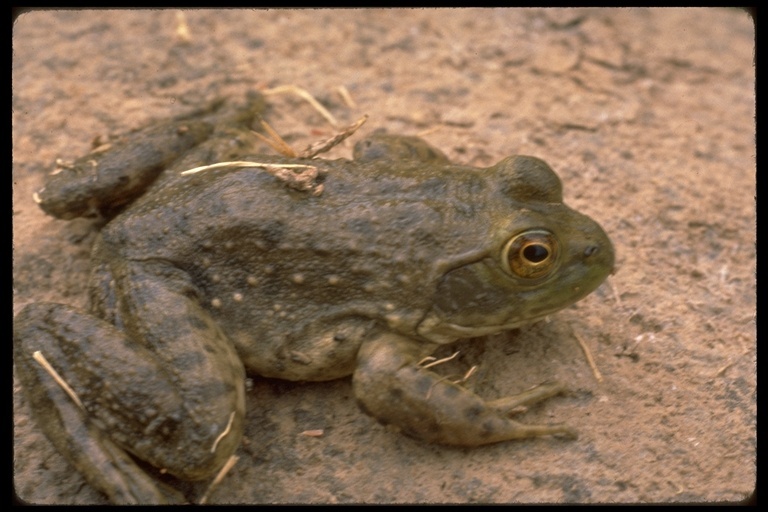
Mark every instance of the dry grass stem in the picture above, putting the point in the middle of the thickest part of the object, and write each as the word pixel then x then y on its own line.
pixel 346 97
pixel 182 28
pixel 723 369
pixel 429 131
pixel 275 141
pixel 225 432
pixel 219 477
pixel 303 94
pixel 588 355
pixel 296 176
pixel 323 146
pixel 40 358
pixel 242 163
pixel 438 361
pixel 466 376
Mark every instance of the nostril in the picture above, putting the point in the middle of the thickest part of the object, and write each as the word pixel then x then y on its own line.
pixel 590 250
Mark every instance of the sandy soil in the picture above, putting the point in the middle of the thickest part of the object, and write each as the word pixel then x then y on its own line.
pixel 648 117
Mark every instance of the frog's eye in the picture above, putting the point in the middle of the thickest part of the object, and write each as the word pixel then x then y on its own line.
pixel 531 254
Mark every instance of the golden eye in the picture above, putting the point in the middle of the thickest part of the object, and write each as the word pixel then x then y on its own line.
pixel 531 254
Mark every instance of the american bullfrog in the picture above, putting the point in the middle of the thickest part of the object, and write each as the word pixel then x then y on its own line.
pixel 298 269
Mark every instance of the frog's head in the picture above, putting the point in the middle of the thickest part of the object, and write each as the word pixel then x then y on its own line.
pixel 542 256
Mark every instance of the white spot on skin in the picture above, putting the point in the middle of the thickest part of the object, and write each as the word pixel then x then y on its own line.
pixel 215 278
pixel 334 280
pixel 237 297
pixel 300 357
pixel 297 278
pixel 394 321
pixel 252 280
pixel 216 303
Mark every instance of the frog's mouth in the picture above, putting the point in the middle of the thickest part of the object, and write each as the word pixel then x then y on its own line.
pixel 439 330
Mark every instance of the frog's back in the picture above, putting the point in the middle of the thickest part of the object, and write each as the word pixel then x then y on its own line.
pixel 381 217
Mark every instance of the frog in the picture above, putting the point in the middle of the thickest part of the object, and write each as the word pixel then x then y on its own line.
pixel 199 279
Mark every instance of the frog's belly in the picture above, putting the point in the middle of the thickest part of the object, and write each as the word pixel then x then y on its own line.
pixel 312 352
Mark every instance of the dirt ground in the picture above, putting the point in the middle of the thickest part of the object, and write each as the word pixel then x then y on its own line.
pixel 648 117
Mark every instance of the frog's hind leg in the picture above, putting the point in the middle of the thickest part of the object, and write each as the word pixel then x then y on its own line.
pixel 100 183
pixel 105 395
pixel 61 414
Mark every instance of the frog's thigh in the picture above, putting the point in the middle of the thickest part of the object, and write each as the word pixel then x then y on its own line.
pixel 160 306
pixel 171 391
pixel 79 348
pixel 391 386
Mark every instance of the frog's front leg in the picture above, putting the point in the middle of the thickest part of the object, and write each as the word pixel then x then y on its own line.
pixel 391 386
pixel 169 389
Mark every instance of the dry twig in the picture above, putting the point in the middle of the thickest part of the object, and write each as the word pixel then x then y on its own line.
pixel 431 361
pixel 299 177
pixel 182 28
pixel 275 141
pixel 588 355
pixel 346 97
pixel 225 432
pixel 219 477
pixel 321 147
pixel 40 358
pixel 466 376
pixel 303 94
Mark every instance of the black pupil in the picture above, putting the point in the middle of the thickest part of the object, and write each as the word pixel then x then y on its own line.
pixel 535 253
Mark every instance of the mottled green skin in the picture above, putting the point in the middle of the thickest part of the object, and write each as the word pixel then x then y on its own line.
pixel 209 275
